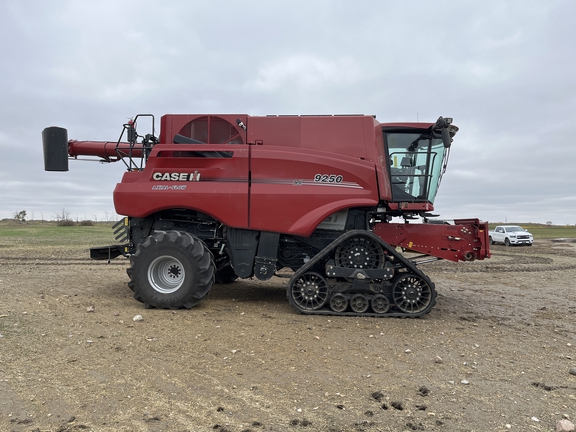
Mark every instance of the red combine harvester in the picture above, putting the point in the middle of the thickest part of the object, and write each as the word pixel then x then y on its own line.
pixel 220 197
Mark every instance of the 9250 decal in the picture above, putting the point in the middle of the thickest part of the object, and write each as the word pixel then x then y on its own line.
pixel 328 178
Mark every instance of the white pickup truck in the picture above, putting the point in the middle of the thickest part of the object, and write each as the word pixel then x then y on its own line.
pixel 510 235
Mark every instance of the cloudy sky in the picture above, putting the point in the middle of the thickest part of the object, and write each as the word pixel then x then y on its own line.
pixel 504 70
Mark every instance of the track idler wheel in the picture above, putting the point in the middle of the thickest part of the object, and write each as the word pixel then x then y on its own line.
pixel 412 294
pixel 310 292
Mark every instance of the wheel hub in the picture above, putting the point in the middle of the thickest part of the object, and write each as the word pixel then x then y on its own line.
pixel 310 290
pixel 411 293
pixel 166 274
pixel 174 272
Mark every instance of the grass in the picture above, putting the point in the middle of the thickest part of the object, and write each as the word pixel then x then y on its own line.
pixel 49 233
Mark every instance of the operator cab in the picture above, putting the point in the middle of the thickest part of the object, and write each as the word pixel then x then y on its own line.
pixel 417 160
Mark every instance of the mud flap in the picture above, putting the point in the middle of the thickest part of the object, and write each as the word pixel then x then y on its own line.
pixel 107 252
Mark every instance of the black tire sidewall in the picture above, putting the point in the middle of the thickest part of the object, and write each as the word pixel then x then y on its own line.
pixel 187 294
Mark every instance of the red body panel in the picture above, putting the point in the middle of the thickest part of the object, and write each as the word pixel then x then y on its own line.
pixel 220 190
pixel 465 241
pixel 285 198
pixel 342 135
pixel 359 137
pixel 267 184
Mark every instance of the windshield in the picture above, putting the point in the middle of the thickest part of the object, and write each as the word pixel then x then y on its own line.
pixel 417 162
pixel 514 229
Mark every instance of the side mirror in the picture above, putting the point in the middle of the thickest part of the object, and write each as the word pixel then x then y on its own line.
pixel 443 124
pixel 446 137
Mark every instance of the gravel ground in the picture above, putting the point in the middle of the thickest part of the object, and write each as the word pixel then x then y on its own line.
pixel 495 353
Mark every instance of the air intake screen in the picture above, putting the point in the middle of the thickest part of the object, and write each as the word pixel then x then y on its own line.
pixel 211 130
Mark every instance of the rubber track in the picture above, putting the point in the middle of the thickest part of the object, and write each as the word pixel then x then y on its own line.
pixel 324 253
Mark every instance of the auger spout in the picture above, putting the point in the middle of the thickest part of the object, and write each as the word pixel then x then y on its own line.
pixel 58 149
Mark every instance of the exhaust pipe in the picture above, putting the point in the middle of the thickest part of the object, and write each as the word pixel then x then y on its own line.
pixel 55 146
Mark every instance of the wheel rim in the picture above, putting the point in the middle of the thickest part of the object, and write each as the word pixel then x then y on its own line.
pixel 338 303
pixel 380 304
pixel 411 294
pixel 166 274
pixel 310 292
pixel 359 252
pixel 359 303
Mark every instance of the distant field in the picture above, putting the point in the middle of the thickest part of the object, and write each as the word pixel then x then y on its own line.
pixel 101 233
pixel 49 233
pixel 544 231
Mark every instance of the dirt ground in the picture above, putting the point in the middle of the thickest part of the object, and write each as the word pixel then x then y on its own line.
pixel 495 353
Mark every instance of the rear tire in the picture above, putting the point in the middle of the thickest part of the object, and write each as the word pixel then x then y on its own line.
pixel 130 272
pixel 491 241
pixel 171 270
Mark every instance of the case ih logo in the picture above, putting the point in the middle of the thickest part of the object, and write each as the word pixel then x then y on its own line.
pixel 185 176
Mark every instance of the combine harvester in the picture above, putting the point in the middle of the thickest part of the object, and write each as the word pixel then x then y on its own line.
pixel 214 198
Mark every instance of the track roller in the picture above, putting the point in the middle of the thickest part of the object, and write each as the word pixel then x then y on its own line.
pixel 359 303
pixel 380 304
pixel 339 303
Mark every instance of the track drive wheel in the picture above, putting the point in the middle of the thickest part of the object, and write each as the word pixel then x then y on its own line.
pixel 309 292
pixel 412 294
pixel 171 270
pixel 359 252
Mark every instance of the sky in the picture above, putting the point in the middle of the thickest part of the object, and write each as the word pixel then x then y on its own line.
pixel 504 70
